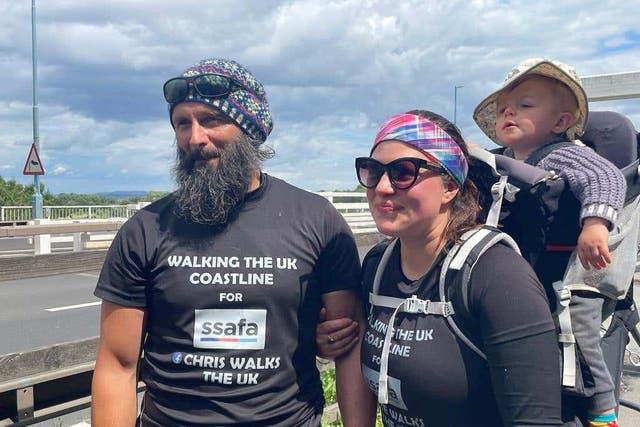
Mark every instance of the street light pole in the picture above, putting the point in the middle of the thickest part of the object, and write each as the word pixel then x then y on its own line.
pixel 455 102
pixel 36 200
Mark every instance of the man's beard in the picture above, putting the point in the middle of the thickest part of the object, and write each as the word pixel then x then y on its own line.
pixel 212 194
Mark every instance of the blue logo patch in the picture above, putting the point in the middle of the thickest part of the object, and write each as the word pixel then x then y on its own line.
pixel 177 358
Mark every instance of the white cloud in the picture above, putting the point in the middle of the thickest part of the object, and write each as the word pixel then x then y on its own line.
pixel 333 71
pixel 59 169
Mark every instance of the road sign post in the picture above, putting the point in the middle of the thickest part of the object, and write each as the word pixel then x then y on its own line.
pixel 36 200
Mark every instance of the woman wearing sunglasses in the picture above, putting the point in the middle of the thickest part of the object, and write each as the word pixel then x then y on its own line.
pixel 420 372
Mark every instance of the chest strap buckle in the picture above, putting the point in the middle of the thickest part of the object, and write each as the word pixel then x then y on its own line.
pixel 416 305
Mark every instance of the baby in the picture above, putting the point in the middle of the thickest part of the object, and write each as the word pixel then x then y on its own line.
pixel 542 103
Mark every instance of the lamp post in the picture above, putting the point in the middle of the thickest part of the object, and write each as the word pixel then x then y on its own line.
pixel 36 200
pixel 455 102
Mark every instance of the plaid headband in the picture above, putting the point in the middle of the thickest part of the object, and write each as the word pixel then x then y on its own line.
pixel 435 143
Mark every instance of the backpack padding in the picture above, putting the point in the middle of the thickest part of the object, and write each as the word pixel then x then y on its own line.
pixel 632 175
pixel 519 173
pixel 613 136
pixel 540 153
pixel 455 274
pixel 523 172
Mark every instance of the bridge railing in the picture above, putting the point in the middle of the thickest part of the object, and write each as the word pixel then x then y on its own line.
pixel 23 213
pixel 352 205
pixel 354 208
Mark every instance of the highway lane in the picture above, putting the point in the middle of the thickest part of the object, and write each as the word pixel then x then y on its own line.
pixel 42 311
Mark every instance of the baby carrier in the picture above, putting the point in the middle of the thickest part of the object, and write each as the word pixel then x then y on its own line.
pixel 540 212
pixel 540 215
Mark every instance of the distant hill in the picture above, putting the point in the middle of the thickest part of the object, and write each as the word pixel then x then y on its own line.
pixel 124 194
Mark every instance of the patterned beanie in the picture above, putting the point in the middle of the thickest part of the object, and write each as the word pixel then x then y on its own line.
pixel 247 106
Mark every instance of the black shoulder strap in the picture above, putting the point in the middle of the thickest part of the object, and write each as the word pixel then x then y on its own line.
pixel 456 273
pixel 542 152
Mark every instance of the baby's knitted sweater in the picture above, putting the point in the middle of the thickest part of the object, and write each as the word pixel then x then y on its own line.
pixel 597 183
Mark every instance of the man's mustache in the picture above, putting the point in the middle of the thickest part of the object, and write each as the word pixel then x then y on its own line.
pixel 191 157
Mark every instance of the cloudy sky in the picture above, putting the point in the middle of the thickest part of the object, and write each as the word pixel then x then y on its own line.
pixel 333 70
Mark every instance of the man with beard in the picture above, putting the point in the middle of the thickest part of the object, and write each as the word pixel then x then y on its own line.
pixel 220 283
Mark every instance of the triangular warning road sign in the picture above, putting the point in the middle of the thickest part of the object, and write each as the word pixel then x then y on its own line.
pixel 33 165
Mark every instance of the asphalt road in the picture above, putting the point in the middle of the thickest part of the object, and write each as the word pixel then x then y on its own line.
pixel 43 311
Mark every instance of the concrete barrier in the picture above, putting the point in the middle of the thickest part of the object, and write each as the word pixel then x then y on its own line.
pixel 24 267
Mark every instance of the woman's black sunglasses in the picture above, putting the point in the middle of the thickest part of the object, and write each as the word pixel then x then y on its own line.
pixel 402 172
pixel 206 85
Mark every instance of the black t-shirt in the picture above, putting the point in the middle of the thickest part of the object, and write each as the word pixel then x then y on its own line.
pixel 436 380
pixel 231 313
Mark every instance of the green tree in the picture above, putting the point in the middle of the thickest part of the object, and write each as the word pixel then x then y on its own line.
pixel 75 199
pixel 154 195
pixel 13 193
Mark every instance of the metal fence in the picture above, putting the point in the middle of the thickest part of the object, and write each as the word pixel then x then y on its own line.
pixel 23 213
pixel 353 207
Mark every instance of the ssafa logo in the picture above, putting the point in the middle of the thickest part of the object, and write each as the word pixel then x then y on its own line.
pixel 230 329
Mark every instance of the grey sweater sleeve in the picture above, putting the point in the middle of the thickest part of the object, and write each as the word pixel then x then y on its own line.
pixel 596 182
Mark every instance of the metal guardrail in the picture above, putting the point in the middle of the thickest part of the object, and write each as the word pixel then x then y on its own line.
pixel 87 234
pixel 59 228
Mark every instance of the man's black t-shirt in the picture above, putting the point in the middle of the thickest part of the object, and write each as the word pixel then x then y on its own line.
pixel 231 312
pixel 435 380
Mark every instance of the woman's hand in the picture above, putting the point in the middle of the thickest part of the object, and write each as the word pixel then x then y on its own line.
pixel 335 337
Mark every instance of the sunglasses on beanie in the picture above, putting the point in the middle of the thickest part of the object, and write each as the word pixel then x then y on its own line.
pixel 205 85
pixel 402 172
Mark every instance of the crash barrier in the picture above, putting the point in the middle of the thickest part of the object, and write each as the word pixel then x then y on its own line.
pixel 47 383
pixel 84 235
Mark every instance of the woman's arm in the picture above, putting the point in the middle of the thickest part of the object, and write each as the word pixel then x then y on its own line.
pixel 525 375
pixel 519 339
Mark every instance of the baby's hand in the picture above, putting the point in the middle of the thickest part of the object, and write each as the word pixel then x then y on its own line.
pixel 593 249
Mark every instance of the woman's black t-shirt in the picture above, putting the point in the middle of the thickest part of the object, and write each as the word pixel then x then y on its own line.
pixel 436 380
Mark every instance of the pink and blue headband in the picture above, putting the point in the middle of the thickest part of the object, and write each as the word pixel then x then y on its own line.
pixel 423 134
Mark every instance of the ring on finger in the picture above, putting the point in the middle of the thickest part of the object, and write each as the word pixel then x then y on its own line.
pixel 331 339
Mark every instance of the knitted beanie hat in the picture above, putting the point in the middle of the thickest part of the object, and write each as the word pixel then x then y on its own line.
pixel 246 104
